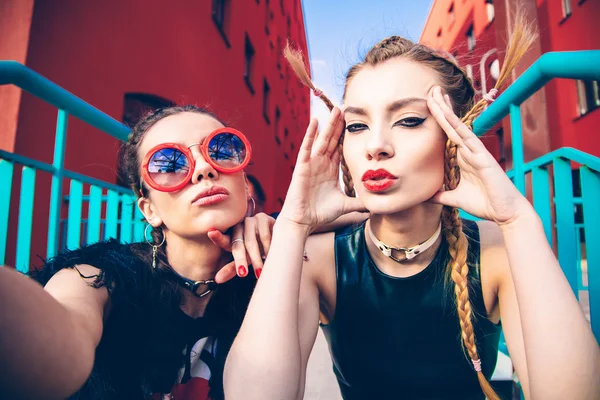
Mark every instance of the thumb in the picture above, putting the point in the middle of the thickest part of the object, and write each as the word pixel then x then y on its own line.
pixel 445 198
pixel 352 204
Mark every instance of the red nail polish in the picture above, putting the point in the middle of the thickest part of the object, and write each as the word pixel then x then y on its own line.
pixel 258 272
pixel 242 271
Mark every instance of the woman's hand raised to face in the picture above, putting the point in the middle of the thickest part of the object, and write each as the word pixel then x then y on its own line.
pixel 255 232
pixel 314 197
pixel 484 189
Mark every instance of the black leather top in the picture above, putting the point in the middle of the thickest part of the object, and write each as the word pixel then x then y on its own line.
pixel 399 338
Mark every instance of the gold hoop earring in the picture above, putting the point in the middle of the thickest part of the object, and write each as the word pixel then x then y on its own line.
pixel 154 246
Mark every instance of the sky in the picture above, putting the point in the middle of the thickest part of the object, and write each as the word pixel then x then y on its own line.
pixel 341 31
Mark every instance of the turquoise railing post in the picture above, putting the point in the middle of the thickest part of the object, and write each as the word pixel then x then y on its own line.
pixel 25 218
pixel 126 219
pixel 112 214
pixel 541 199
pixel 590 193
pixel 94 215
pixel 138 230
pixel 517 146
pixel 6 176
pixel 565 221
pixel 74 219
pixel 58 164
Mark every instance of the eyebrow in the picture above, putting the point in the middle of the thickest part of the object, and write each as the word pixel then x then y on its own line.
pixel 395 106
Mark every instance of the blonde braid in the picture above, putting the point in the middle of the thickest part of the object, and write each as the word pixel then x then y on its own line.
pixel 521 40
pixel 458 270
pixel 346 177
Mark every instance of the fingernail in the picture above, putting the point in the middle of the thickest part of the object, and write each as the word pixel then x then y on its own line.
pixel 242 271
pixel 212 230
pixel 264 257
pixel 258 272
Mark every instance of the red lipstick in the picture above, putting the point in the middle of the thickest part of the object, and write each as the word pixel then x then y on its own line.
pixel 210 196
pixel 378 180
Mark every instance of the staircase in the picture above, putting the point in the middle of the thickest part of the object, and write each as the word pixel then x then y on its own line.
pixel 111 210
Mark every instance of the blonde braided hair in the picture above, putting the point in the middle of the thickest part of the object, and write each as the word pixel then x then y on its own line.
pixel 460 89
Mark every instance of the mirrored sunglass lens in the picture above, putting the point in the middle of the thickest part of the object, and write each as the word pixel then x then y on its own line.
pixel 227 150
pixel 168 167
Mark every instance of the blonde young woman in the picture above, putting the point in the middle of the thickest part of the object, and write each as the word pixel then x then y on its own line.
pixel 410 300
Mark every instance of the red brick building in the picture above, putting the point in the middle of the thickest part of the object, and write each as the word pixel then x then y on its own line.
pixel 562 113
pixel 125 56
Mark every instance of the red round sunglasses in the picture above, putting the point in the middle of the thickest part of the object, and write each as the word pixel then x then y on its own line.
pixel 168 167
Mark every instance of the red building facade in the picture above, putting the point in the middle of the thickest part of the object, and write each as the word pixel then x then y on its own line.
pixel 124 57
pixel 562 113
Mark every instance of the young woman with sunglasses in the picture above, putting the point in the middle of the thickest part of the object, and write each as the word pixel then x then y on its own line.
pixel 411 300
pixel 146 320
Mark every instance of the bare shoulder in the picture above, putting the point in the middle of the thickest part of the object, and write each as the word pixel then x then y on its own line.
pixel 319 268
pixel 75 279
pixel 490 235
pixel 79 289
pixel 494 260
pixel 319 253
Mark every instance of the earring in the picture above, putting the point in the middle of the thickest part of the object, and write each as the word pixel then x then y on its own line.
pixel 154 246
pixel 253 207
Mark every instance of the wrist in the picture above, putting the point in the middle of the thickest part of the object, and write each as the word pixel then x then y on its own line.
pixel 525 217
pixel 289 225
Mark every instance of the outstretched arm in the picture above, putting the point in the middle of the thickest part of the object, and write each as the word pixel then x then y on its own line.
pixel 48 338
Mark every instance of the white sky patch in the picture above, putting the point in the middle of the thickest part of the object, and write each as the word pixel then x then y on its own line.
pixel 318 63
pixel 322 75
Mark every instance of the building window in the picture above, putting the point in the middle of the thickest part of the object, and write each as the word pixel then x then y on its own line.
pixel 566 6
pixel 220 10
pixel 501 151
pixel 439 39
pixel 587 96
pixel 266 94
pixel 489 7
pixel 296 9
pixel 277 118
pixel 278 141
pixel 137 105
pixel 279 55
pixel 281 6
pixel 470 39
pixel 248 63
pixel 267 16
pixel 285 135
pixel 289 27
pixel 451 16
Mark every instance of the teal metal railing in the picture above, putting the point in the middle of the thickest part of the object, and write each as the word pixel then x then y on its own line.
pixel 551 174
pixel 111 209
